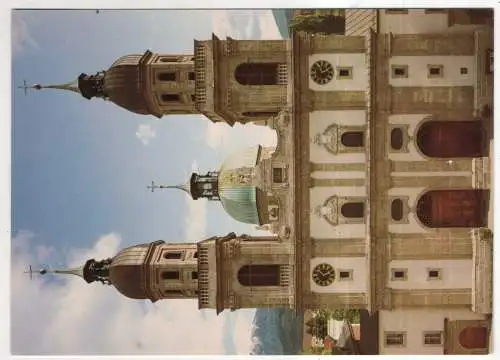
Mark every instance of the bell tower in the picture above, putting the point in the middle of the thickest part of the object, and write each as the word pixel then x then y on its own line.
pixel 146 84
pixel 170 84
pixel 245 272
pixel 177 274
pixel 241 80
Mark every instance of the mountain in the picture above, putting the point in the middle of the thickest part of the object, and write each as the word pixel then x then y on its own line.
pixel 282 17
pixel 276 332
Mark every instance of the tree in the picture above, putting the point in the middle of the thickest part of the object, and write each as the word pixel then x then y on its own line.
pixel 352 315
pixel 317 326
pixel 323 22
pixel 311 351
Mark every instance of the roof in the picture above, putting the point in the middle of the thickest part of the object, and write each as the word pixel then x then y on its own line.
pixel 123 83
pixel 127 271
pixel 238 194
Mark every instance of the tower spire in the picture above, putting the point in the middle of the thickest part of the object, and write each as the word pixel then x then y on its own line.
pixel 184 187
pixel 71 86
pixel 198 186
pixel 88 86
pixel 91 271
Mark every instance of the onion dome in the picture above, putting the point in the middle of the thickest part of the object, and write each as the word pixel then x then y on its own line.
pixel 241 199
pixel 123 83
pixel 128 271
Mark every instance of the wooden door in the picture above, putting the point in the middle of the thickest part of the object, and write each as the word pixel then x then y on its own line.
pixel 453 208
pixel 473 337
pixel 452 139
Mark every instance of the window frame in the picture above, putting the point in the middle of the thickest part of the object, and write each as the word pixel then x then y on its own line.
pixel 349 274
pixel 397 278
pixel 430 67
pixel 173 73
pixel 170 272
pixel 396 67
pixel 429 335
pixel 434 278
pixel 178 98
pixel 180 252
pixel 401 334
pixel 339 69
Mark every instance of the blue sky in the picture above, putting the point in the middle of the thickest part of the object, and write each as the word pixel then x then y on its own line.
pixel 79 175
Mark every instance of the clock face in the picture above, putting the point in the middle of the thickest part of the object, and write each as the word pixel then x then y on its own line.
pixel 323 274
pixel 322 72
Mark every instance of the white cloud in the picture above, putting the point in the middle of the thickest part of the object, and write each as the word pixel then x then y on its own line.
pixel 145 133
pixel 21 37
pixel 222 137
pixel 73 317
pixel 245 24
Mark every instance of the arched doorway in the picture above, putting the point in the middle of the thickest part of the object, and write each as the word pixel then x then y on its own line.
pixel 257 73
pixel 259 275
pixel 453 208
pixel 452 139
pixel 474 337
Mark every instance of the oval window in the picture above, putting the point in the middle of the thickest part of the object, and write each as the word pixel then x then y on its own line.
pixel 397 210
pixel 397 139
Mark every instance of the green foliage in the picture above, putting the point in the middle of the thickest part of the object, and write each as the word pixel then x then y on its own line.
pixel 486 233
pixel 312 351
pixel 351 315
pixel 330 21
pixel 317 326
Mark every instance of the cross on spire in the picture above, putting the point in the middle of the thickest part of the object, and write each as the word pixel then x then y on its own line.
pixel 27 87
pixel 30 271
pixel 153 186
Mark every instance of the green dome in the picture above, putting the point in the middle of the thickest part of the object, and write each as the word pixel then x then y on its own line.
pixel 239 197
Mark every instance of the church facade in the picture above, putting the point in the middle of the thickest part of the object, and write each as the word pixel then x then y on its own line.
pixel 376 196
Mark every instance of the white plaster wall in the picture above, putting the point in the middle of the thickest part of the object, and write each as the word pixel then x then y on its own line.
pixel 320 228
pixel 415 323
pixel 415 22
pixel 455 274
pixel 320 120
pixel 418 72
pixel 359 281
pixel 338 174
pixel 359 80
pixel 414 225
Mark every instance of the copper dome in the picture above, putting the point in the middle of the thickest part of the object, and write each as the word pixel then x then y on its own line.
pixel 123 83
pixel 128 271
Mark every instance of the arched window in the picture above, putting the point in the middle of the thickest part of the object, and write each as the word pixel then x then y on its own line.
pixel 353 210
pixel 259 275
pixel 474 337
pixel 257 73
pixel 452 139
pixel 171 97
pixel 453 208
pixel 167 76
pixel 170 275
pixel 353 139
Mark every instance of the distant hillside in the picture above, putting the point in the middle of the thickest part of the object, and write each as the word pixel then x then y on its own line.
pixel 276 332
pixel 282 17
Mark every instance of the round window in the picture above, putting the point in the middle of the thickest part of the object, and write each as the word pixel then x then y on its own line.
pixel 323 274
pixel 322 72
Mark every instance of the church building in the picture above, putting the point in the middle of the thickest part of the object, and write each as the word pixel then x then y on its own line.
pixel 376 197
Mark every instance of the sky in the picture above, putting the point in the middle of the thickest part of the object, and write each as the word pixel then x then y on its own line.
pixel 79 174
